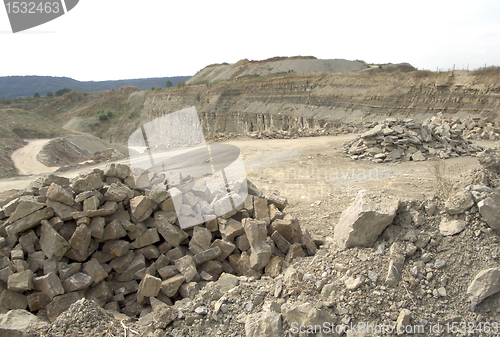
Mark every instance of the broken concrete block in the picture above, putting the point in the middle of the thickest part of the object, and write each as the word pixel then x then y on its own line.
pixel 20 282
pixel 49 284
pixel 362 222
pixel 256 232
pixel 168 271
pixel 261 210
pixel 94 269
pixel 187 267
pixel 51 242
pixel 75 282
pixel 80 240
pixel 62 194
pixel 277 200
pixel 13 300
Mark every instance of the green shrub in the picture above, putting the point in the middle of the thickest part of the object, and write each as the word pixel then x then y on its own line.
pixel 103 117
pixel 61 92
pixel 50 94
pixel 181 84
pixel 168 84
pixel 109 114
pixel 36 94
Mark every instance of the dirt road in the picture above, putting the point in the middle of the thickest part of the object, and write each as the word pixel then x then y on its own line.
pixel 313 173
pixel 25 158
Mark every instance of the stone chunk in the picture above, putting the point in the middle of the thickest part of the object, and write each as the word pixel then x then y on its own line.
pixel 459 202
pixel 52 243
pixel 120 263
pixel 139 205
pixel 187 267
pixel 20 282
pixel 78 281
pixel 485 284
pixel 149 237
pixel 294 252
pixel 62 303
pixel 116 247
pixel 261 211
pixel 403 321
pixel 80 240
pixel 256 232
pixel 274 267
pixel 63 211
pixel 29 221
pixel 171 285
pixel 149 286
pixel 231 229
pixel 283 227
pixel 189 290
pixel 277 200
pixel 49 284
pixel 362 222
pixel 171 233
pixel 242 243
pixel 200 240
pixel 449 227
pixel 118 192
pixel 15 322
pixel 62 194
pixel 97 227
pixel 113 231
pixel 25 208
pixel 108 208
pixel 91 203
pixel 129 274
pixel 92 181
pixel 225 246
pixel 265 323
pixel 13 300
pixel 37 301
pixel 94 269
pixel 207 255
pixel 489 209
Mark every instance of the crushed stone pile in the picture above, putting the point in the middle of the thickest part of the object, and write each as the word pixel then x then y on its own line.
pixel 103 236
pixel 327 130
pixel 405 140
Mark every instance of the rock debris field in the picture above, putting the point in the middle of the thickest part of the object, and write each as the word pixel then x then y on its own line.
pixel 106 255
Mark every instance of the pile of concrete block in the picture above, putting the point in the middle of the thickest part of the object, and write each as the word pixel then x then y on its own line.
pixel 405 140
pixel 102 237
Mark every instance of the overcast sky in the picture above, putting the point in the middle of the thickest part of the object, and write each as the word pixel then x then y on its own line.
pixel 123 39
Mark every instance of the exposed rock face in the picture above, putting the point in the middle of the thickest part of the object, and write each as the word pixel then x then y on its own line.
pixel 362 223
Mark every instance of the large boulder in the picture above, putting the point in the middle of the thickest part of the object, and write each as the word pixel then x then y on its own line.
pixel 459 202
pixel 362 222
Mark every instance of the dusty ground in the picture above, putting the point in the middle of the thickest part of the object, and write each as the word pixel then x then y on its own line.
pixel 25 158
pixel 313 173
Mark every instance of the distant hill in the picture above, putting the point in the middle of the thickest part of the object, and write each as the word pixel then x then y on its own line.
pixel 297 64
pixel 27 86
